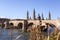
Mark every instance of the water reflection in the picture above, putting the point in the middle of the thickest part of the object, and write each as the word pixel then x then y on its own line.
pixel 8 34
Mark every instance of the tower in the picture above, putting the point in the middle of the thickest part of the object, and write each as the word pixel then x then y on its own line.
pixel 34 14
pixel 49 16
pixel 27 15
pixel 42 17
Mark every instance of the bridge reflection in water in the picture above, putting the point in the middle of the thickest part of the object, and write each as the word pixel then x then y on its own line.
pixel 13 34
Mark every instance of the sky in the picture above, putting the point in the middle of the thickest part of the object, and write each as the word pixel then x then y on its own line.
pixel 18 8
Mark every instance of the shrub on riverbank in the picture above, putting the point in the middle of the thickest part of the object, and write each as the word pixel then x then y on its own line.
pixel 37 34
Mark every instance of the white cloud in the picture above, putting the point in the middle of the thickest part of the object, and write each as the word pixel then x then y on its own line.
pixel 2 17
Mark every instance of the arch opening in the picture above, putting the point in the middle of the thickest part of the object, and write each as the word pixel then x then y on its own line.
pixel 3 25
pixel 11 25
pixel 20 25
pixel 30 25
pixel 47 26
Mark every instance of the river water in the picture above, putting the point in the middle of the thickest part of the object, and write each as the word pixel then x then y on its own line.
pixel 16 34
pixel 13 34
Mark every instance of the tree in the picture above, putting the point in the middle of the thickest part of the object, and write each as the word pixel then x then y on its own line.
pixel 39 17
pixel 34 14
pixel 27 15
pixel 49 17
pixel 42 17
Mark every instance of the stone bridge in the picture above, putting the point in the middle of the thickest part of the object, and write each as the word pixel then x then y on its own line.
pixel 24 24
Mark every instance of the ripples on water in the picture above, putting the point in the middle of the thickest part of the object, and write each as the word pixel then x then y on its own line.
pixel 8 34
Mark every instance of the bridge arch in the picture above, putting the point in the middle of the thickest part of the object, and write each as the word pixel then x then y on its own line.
pixel 52 25
pixel 30 25
pixel 11 25
pixel 20 25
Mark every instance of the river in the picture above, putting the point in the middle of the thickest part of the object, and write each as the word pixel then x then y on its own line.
pixel 13 34
pixel 17 34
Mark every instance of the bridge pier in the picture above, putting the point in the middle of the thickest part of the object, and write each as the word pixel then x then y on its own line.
pixel 6 24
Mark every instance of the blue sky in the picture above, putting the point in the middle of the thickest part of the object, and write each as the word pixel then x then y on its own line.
pixel 18 8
